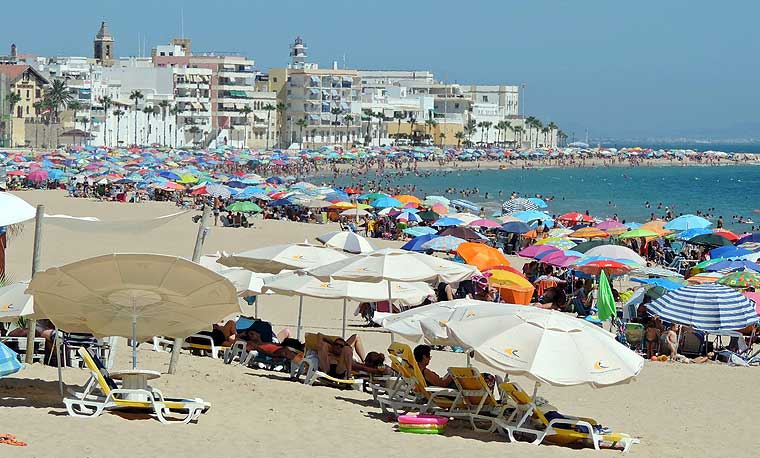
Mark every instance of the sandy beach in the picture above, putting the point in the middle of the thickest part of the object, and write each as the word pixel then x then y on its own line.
pixel 676 409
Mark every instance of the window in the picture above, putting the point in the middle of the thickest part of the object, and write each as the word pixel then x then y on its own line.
pixel 485 98
pixel 274 79
pixel 38 93
pixel 27 109
pixel 456 106
pixel 27 93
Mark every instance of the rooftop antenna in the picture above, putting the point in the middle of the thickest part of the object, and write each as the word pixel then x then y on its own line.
pixel 182 21
pixel 344 61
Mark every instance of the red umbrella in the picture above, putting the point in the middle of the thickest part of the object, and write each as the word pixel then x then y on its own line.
pixel 37 175
pixel 609 267
pixel 199 191
pixel 727 234
pixel 576 217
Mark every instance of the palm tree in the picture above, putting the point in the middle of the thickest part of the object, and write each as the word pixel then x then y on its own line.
pixel 348 119
pixel 367 116
pixel 398 116
pixel 74 106
pixel 246 111
pixel 335 112
pixel 280 116
pixel 118 113
pixel 106 102
pixel 194 130
pixel 552 128
pixel 164 104
pixel 136 95
pixel 301 123
pixel 412 121
pixel 380 118
pixel 175 111
pixel 429 125
pixel 147 110
pixel 59 97
pixel 538 126
pixel 459 136
pixel 481 126
pixel 518 130
pixel 469 130
pixel 507 126
pixel 13 98
pixel 487 126
pixel 269 108
pixel 529 127
pixel 442 137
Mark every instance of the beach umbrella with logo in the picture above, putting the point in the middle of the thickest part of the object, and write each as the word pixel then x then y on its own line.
pixel 15 302
pixel 706 307
pixel 547 346
pixel 14 210
pixel 273 259
pixel 347 241
pixel 133 295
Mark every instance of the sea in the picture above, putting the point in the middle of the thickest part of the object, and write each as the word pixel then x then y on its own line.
pixel 732 191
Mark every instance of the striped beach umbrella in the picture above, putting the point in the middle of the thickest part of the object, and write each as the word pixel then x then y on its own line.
pixel 517 205
pixel 706 307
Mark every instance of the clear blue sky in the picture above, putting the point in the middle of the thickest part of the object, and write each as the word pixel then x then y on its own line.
pixel 620 69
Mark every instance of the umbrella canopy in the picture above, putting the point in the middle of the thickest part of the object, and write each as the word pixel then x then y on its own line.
pixel 392 264
pixel 9 363
pixel 507 279
pixel 548 346
pixel 729 265
pixel 246 283
pixel 445 243
pixel 447 221
pixel 753 237
pixel 728 251
pixel 616 252
pixel 347 241
pixel 354 212
pixel 534 250
pixel 638 233
pixel 712 239
pixel 685 222
pixel 481 256
pixel 515 227
pixel 14 210
pixel 244 207
pixel 706 307
pixel 741 280
pixel 486 223
pixel 589 233
pixel 518 204
pixel 14 302
pixel 585 246
pixel 133 295
pixel 562 243
pixel 273 259
pixel 608 224
pixel 532 215
pixel 385 202
pixel 466 233
pixel 610 267
pixel 301 283
pixel 727 234
pixel 576 217
pixel 416 243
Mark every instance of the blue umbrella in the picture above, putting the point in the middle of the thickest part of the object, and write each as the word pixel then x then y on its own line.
pixel 661 282
pixel 539 202
pixel 9 363
pixel 753 237
pixel 444 243
pixel 729 265
pixel 416 243
pixel 418 231
pixel 691 233
pixel 55 174
pixel 515 227
pixel 532 215
pixel 728 251
pixel 686 222
pixel 706 307
pixel 280 203
pixel 385 202
pixel 448 221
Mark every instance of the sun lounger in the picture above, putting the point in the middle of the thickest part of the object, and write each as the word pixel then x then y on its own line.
pixel 530 420
pixel 101 393
pixel 478 401
pixel 18 345
pixel 410 391
pixel 309 367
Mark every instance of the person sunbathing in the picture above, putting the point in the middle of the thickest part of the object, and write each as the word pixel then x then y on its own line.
pixel 336 357
pixel 373 364
pixel 422 356
pixel 282 350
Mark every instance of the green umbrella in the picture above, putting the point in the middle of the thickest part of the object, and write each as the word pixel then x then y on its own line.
pixel 187 178
pixel 638 233
pixel 708 262
pixel 712 240
pixel 605 301
pixel 741 280
pixel 585 246
pixel 244 207
pixel 428 215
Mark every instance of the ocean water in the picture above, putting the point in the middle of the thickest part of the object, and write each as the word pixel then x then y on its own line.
pixel 730 190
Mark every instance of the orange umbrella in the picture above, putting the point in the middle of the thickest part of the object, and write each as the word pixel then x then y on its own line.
pixel 406 198
pixel 440 209
pixel 343 205
pixel 514 288
pixel 589 233
pixel 481 256
pixel 656 226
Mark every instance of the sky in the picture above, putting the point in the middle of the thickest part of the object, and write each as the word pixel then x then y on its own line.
pixel 644 69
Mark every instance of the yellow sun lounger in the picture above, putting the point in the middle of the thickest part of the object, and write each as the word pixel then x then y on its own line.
pixel 479 404
pixel 89 404
pixel 561 431
pixel 410 391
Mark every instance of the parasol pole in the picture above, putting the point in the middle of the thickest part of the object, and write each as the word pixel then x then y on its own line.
pixel 31 325
pixel 300 313
pixel 199 239
pixel 344 318
pixel 57 344
pixel 390 305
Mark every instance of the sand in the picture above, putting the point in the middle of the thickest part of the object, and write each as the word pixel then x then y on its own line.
pixel 676 409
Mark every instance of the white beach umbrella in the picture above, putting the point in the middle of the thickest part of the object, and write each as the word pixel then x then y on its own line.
pixel 429 320
pixel 14 210
pixel 301 283
pixel 273 259
pixel 548 346
pixel 133 295
pixel 346 241
pixel 616 252
pixel 354 212
pixel 246 283
pixel 15 302
pixel 391 264
pixel 463 216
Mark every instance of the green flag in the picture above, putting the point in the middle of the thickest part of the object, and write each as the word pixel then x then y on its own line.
pixel 605 302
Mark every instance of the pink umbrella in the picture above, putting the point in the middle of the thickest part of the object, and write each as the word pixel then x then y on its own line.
pixel 484 223
pixel 37 175
pixel 754 297
pixel 534 250
pixel 609 224
pixel 559 259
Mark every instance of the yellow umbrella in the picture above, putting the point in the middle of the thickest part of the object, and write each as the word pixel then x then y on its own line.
pixel 343 205
pixel 406 198
pixel 589 233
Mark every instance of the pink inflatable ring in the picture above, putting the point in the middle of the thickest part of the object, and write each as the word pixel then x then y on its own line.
pixel 413 419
